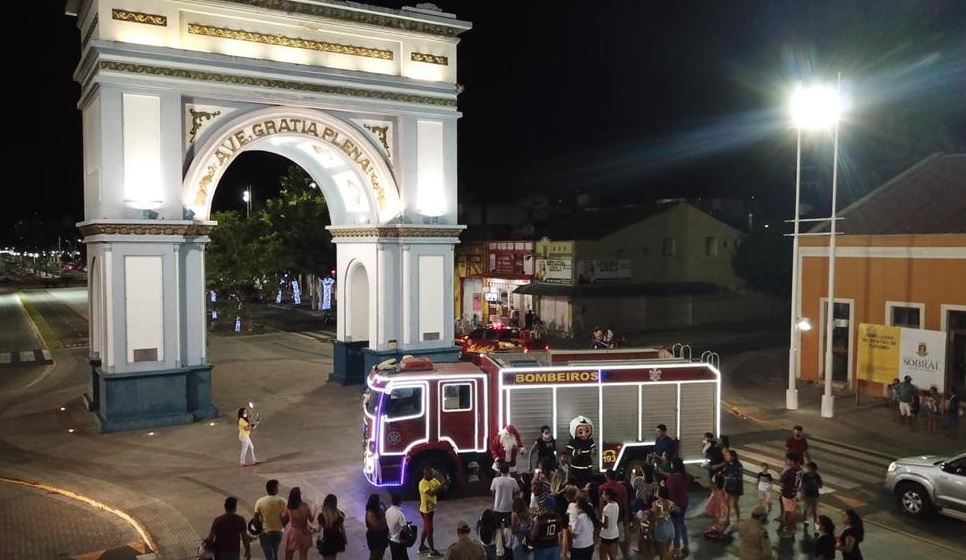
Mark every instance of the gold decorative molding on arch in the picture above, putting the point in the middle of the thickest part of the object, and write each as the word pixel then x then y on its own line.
pixel 396 232
pixel 139 17
pixel 285 41
pixel 147 228
pixel 253 81
pixel 90 32
pixel 381 133
pixel 197 119
pixel 430 58
pixel 332 12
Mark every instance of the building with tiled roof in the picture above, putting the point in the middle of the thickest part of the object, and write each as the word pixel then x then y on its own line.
pixel 899 261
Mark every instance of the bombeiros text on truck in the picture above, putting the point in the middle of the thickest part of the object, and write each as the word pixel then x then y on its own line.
pixel 449 416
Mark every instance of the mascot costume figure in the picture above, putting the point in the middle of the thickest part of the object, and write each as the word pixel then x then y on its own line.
pixel 505 447
pixel 581 449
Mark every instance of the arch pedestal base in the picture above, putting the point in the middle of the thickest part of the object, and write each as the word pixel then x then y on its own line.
pixel 123 402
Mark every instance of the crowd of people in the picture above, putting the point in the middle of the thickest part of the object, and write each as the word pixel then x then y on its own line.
pixel 912 406
pixel 798 486
pixel 561 510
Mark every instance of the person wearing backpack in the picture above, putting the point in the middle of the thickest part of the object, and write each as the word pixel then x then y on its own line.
pixel 396 522
pixel 811 490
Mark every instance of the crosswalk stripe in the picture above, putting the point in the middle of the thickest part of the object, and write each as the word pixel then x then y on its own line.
pixel 26 357
pixel 854 468
pixel 824 470
pixel 750 473
pixel 828 479
pixel 835 451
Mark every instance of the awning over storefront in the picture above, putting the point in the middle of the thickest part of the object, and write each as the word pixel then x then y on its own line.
pixel 619 290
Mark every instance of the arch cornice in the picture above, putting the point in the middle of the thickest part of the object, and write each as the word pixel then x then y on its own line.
pixel 394 231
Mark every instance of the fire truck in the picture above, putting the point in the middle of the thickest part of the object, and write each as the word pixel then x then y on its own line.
pixel 419 414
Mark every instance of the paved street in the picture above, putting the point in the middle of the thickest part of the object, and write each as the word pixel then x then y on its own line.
pixel 171 482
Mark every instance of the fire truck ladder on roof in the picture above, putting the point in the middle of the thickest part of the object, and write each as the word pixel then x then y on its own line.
pixel 711 358
pixel 681 351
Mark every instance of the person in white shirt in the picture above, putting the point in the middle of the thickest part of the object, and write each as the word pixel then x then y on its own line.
pixel 609 529
pixel 582 532
pixel 503 487
pixel 396 520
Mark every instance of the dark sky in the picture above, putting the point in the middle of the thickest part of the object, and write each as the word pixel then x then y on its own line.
pixel 628 99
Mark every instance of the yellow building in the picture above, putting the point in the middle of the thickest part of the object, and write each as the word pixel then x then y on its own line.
pixel 900 259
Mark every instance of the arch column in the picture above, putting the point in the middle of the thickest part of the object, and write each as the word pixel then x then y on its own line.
pixel 411 267
pixel 148 354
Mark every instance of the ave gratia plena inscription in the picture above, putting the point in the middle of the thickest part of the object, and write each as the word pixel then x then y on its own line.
pixel 304 127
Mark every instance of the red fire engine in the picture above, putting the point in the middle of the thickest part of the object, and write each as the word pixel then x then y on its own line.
pixel 419 414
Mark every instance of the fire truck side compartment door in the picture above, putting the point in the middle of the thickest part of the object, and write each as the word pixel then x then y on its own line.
pixel 699 407
pixel 528 408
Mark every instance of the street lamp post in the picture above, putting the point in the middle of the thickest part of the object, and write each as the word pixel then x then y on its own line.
pixel 791 395
pixel 247 197
pixel 828 400
pixel 811 108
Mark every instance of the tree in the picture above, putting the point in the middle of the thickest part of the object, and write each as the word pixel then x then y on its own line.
pixel 299 242
pixel 763 260
pixel 236 262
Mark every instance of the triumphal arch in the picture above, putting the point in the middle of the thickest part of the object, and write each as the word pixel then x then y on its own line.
pixel 172 91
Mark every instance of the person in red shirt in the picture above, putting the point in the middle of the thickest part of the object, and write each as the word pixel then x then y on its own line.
pixel 797 444
pixel 623 502
pixel 228 532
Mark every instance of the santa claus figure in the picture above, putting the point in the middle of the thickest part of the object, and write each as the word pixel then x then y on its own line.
pixel 581 449
pixel 505 447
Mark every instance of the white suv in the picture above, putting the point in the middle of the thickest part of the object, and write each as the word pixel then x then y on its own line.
pixel 929 483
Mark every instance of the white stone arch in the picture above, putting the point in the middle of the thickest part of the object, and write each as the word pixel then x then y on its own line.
pixel 355 179
pixel 167 87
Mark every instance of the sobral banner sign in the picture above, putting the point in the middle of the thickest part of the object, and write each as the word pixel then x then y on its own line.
pixel 886 353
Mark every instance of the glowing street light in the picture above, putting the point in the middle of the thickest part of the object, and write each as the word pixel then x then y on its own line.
pixel 247 197
pixel 811 108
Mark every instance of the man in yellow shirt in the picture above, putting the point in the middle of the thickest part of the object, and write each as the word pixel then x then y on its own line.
pixel 429 487
pixel 269 510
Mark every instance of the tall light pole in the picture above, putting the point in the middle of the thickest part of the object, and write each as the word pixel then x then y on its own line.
pixel 247 197
pixel 791 394
pixel 828 400
pixel 814 107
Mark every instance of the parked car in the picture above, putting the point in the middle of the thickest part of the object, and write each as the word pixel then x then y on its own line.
pixel 498 338
pixel 927 484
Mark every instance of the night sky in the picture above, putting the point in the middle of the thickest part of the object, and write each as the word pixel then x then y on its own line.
pixel 630 100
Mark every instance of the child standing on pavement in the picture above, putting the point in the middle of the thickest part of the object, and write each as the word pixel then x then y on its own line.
pixel 811 490
pixel 765 481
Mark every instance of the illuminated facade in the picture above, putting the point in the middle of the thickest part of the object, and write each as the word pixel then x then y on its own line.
pixel 899 262
pixel 172 91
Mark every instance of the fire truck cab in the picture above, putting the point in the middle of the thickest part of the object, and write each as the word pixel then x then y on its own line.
pixel 419 414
